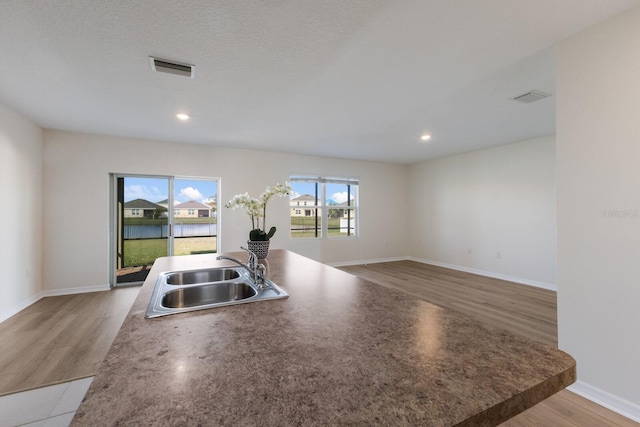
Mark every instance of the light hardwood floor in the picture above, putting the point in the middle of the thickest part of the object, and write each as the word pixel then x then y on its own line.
pixel 59 339
pixel 521 309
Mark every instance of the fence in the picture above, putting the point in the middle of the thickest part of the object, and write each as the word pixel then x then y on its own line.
pixel 159 231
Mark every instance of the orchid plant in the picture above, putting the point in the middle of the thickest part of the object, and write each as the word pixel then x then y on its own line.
pixel 257 209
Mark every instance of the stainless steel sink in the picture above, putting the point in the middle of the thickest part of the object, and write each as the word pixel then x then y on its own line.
pixel 213 293
pixel 182 291
pixel 193 277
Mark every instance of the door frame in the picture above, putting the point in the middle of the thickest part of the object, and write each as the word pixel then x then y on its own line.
pixel 113 216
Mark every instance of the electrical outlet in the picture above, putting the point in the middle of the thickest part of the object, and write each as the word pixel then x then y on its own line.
pixel 498 255
pixel 469 251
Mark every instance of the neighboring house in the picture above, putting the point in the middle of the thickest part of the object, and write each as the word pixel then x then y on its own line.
pixel 298 205
pixel 213 206
pixel 141 208
pixel 164 203
pixel 304 205
pixel 191 209
pixel 342 212
pixel 347 217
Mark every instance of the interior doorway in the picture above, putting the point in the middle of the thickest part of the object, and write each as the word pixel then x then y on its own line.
pixel 156 216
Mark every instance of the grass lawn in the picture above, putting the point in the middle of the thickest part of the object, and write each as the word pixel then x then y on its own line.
pixel 309 223
pixel 145 251
pixel 165 221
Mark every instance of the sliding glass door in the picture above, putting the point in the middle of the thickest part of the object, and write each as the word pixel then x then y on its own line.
pixel 156 216
pixel 195 216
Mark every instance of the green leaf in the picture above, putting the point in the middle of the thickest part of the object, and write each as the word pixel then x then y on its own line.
pixel 271 233
pixel 258 235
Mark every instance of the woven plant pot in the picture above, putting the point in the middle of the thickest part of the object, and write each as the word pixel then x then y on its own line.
pixel 259 247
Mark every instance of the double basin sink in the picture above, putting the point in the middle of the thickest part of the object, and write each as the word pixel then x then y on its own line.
pixel 181 291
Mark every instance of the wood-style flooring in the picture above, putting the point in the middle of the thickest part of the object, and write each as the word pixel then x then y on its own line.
pixel 61 338
pixel 521 309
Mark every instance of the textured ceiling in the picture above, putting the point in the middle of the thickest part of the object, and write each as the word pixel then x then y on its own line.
pixel 349 78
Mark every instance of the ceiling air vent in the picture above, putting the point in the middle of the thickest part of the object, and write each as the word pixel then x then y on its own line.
pixel 172 67
pixel 531 96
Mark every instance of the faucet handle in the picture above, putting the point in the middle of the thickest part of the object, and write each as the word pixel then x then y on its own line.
pixel 253 258
pixel 261 272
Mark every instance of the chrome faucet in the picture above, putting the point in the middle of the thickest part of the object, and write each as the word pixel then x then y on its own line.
pixel 256 270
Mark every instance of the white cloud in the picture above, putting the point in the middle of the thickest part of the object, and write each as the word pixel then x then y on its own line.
pixel 293 194
pixel 340 197
pixel 209 200
pixel 152 193
pixel 190 193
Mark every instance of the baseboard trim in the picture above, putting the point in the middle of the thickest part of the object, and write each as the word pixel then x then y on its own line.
pixel 548 286
pixel 71 291
pixel 543 285
pixel 603 398
pixel 49 293
pixel 366 261
pixel 20 306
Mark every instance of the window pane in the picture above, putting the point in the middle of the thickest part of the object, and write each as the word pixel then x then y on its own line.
pixel 341 213
pixel 323 205
pixel 347 223
pixel 195 216
pixel 306 223
pixel 306 216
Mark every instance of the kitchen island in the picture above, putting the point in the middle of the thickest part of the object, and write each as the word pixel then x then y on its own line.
pixel 339 350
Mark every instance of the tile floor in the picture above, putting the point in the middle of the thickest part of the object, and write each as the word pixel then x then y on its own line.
pixel 52 406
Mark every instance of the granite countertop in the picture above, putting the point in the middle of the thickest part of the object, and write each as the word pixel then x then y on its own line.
pixel 339 350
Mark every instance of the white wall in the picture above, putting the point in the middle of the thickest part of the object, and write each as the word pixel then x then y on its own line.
pixel 598 163
pixel 76 184
pixel 468 208
pixel 21 212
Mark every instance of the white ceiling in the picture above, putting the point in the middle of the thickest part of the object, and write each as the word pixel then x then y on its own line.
pixel 343 78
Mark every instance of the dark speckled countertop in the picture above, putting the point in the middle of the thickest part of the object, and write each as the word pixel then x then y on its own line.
pixel 338 351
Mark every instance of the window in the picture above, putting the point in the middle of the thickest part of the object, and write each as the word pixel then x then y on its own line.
pixel 331 207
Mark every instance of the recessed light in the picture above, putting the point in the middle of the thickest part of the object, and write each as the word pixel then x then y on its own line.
pixel 182 116
pixel 425 137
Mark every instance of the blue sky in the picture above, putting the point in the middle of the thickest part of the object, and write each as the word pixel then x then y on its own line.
pixel 335 192
pixel 157 189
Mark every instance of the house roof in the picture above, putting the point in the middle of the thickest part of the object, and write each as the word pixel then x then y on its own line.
pixel 304 197
pixel 143 204
pixel 191 204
